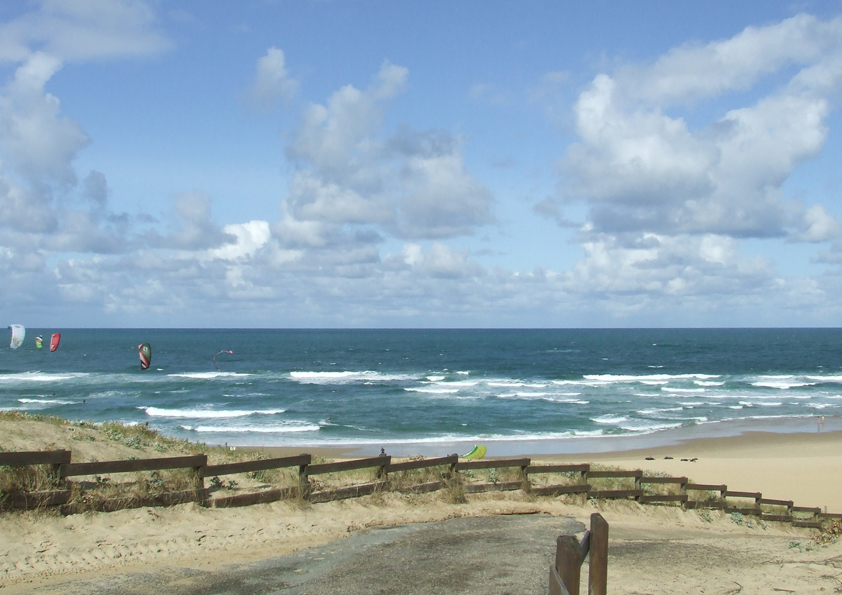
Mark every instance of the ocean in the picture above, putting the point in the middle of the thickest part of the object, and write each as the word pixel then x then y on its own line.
pixel 430 391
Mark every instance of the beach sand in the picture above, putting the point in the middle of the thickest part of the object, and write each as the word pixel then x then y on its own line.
pixel 653 549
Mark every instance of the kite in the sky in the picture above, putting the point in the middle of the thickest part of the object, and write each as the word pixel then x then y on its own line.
pixel 217 353
pixel 18 333
pixel 145 352
pixel 54 341
pixel 39 341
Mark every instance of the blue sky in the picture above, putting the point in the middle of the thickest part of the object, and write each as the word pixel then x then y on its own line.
pixel 420 164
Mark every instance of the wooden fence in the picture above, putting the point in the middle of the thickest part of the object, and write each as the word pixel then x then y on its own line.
pixel 570 554
pixel 452 473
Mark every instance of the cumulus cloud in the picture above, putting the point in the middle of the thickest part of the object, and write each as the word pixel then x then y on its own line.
pixel 194 228
pixel 643 169
pixel 43 208
pixel 272 82
pixel 83 30
pixel 409 184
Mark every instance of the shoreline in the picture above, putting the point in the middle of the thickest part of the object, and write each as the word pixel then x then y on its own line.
pixel 559 447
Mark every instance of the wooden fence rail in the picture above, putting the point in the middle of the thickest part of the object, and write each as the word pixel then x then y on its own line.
pixel 730 501
pixel 134 465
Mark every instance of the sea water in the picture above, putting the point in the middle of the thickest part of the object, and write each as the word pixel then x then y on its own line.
pixel 427 389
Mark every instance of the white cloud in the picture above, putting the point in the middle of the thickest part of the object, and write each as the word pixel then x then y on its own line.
pixel 693 72
pixel 83 30
pixel 35 138
pixel 272 82
pixel 193 227
pixel 669 197
pixel 250 237
pixel 351 177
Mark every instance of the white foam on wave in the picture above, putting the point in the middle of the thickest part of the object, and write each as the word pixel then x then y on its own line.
pixel 47 401
pixel 459 383
pixel 708 383
pixel 647 377
pixel 609 419
pixel 761 403
pixel 646 427
pixel 683 390
pixel 561 400
pixel 828 378
pixel 782 382
pixel 435 378
pixel 433 391
pixel 569 382
pixel 658 411
pixel 41 377
pixel 285 428
pixel 463 372
pixel 346 377
pixel 207 413
pixel 207 375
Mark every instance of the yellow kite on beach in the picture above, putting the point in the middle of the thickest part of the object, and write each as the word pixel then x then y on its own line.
pixel 476 453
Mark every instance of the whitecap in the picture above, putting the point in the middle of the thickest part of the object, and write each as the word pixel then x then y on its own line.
pixel 48 401
pixel 290 427
pixel 609 419
pixel 206 375
pixel 207 413
pixel 433 391
pixel 347 376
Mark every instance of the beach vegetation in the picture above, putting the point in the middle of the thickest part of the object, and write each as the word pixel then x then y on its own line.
pixel 402 480
pixel 102 493
pixel 454 492
pixel 16 481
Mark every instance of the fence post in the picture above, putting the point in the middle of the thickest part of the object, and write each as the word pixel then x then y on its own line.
pixel 452 469
pixel 200 482
pixel 381 470
pixel 303 482
pixel 568 562
pixel 598 571
pixel 524 478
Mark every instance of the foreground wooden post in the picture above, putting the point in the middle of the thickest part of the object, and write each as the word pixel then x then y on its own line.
pixel 568 567
pixel 598 571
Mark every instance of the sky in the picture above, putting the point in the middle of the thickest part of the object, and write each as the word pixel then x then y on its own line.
pixel 359 164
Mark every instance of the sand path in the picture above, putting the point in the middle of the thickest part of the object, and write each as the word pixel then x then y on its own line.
pixel 652 550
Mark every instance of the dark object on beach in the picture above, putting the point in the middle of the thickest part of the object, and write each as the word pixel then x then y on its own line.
pixel 670 458
pixel 694 459
pixel 685 460
pixel 650 458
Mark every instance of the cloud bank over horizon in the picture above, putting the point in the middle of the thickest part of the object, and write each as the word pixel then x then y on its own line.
pixel 672 190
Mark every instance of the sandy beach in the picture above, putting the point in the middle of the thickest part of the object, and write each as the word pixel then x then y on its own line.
pixel 38 550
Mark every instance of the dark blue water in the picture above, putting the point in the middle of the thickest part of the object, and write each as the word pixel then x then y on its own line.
pixel 328 387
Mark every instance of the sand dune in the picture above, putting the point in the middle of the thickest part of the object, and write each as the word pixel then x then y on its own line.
pixel 653 549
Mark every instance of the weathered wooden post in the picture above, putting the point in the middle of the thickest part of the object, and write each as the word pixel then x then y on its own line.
pixel 565 574
pixel 304 480
pixel 199 479
pixel 598 571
